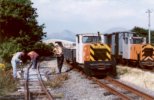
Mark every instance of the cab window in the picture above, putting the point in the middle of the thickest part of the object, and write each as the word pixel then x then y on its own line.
pixel 136 40
pixel 90 39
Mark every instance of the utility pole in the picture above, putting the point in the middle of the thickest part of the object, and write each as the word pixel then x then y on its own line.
pixel 149 25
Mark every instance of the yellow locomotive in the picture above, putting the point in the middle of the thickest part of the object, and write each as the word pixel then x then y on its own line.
pixel 92 54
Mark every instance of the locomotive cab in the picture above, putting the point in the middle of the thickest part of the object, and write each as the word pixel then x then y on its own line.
pixel 133 47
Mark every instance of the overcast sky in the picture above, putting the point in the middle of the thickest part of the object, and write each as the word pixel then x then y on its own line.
pixel 80 16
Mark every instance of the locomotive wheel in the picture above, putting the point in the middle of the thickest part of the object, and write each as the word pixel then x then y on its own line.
pixel 140 65
pixel 87 71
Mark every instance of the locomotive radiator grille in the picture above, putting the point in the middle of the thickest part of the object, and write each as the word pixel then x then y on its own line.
pixel 100 52
pixel 147 53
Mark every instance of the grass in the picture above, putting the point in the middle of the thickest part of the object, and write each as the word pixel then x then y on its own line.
pixel 7 83
pixel 57 81
pixel 53 70
pixel 122 71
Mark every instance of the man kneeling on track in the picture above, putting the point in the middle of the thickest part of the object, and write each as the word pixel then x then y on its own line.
pixel 59 54
pixel 34 57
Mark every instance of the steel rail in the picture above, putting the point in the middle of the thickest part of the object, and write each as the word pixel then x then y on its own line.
pixel 135 91
pixel 122 96
pixel 42 84
pixel 27 93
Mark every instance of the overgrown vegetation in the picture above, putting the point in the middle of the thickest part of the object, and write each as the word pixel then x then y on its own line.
pixel 43 49
pixel 7 83
pixel 7 49
pixel 57 81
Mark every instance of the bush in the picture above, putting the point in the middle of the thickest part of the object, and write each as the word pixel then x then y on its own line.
pixel 7 49
pixel 43 49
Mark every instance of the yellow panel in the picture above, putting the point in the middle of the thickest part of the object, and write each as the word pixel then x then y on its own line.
pixel 147 46
pixel 100 47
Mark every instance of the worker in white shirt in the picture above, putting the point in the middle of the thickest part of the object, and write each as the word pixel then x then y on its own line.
pixel 16 60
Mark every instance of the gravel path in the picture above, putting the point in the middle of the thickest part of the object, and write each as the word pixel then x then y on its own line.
pixel 77 87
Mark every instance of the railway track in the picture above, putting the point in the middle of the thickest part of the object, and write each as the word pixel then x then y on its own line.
pixel 117 88
pixel 35 89
pixel 121 90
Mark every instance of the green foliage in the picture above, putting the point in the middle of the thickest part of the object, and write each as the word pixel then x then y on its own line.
pixel 140 31
pixel 7 49
pixel 43 49
pixel 18 19
pixel 143 32
pixel 19 29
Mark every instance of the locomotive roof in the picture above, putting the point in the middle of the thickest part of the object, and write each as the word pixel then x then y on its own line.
pixel 120 32
pixel 89 34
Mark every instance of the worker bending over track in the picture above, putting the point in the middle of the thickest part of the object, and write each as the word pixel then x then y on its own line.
pixel 34 57
pixel 16 60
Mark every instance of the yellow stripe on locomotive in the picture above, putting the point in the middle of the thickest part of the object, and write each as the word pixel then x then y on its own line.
pixel 147 52
pixel 97 52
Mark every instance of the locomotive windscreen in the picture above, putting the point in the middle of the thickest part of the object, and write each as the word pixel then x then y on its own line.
pixel 90 39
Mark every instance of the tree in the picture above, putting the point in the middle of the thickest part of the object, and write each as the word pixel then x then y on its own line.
pixel 143 32
pixel 18 20
pixel 19 28
pixel 140 31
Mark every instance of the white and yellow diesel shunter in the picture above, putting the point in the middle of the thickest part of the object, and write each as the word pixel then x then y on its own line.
pixel 92 54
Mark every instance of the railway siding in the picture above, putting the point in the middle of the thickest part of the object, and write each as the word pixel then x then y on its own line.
pixel 77 87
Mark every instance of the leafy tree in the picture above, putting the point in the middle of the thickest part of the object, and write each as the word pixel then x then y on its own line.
pixel 18 20
pixel 19 28
pixel 140 31
pixel 7 49
pixel 143 32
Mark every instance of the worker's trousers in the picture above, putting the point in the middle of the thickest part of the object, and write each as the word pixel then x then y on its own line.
pixel 14 66
pixel 34 63
pixel 60 62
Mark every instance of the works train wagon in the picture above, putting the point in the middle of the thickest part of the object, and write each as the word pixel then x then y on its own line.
pixel 129 48
pixel 92 54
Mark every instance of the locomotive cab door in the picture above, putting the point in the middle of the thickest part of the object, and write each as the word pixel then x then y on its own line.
pixel 79 48
pixel 126 48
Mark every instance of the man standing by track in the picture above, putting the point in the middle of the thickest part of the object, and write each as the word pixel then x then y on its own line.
pixel 59 54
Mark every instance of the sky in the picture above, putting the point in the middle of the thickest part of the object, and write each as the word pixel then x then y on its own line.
pixel 91 16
